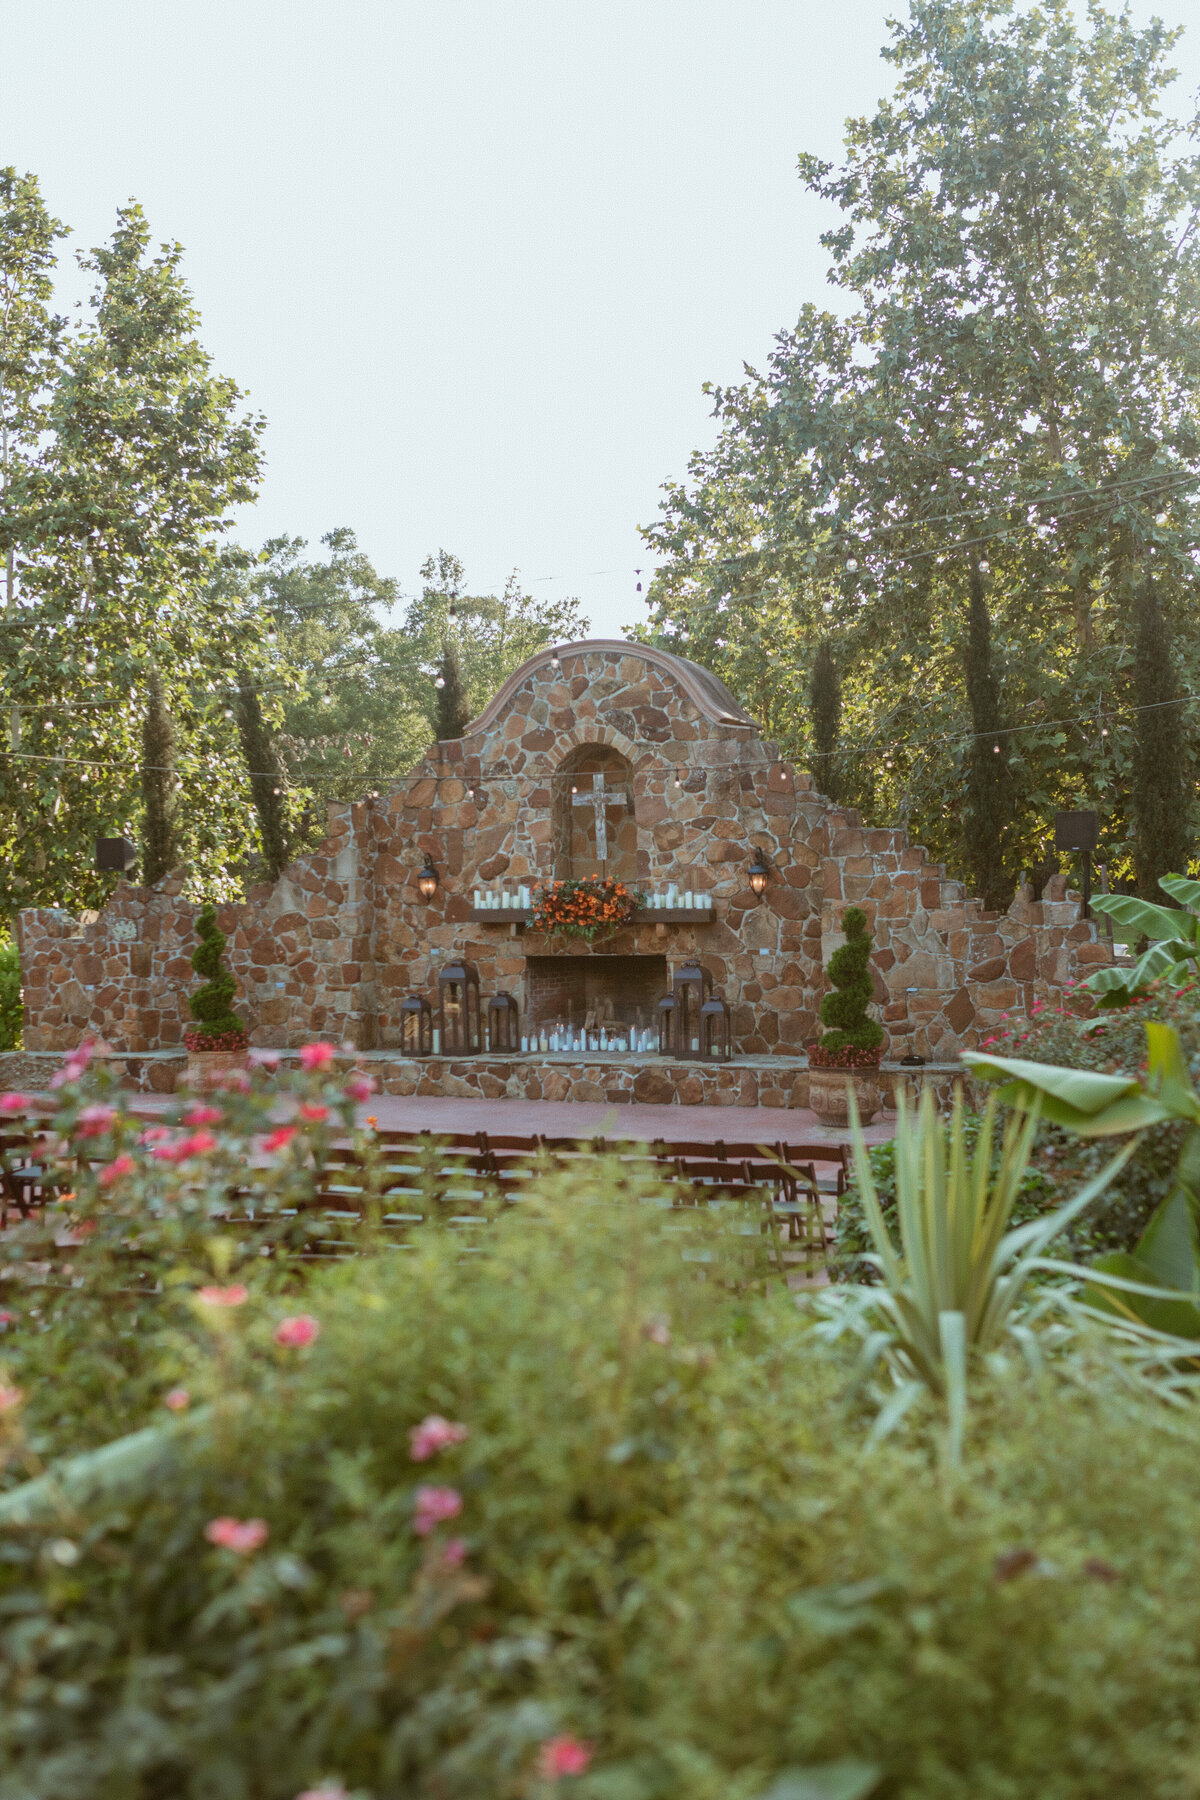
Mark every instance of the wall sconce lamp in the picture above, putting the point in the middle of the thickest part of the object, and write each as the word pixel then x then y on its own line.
pixel 759 873
pixel 427 880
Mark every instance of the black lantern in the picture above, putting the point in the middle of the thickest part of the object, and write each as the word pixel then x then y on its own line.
pixel 691 987
pixel 416 1026
pixel 716 1045
pixel 666 1024
pixel 115 854
pixel 759 873
pixel 504 1020
pixel 458 1009
pixel 427 880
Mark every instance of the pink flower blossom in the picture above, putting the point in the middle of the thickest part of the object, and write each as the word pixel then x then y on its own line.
pixel 278 1139
pixel 313 1113
pixel 433 1506
pixel 78 1061
pixel 10 1397
pixel 359 1088
pixel 198 1144
pixel 7 1318
pixel 116 1170
pixel 13 1103
pixel 316 1056
pixel 94 1121
pixel 325 1790
pixel 156 1134
pixel 434 1434
pixel 178 1400
pixel 295 1333
pixel 454 1553
pixel 239 1535
pixel 236 1295
pixel 202 1115
pixel 563 1756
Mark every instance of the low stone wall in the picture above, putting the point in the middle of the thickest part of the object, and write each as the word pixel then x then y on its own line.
pixel 754 1081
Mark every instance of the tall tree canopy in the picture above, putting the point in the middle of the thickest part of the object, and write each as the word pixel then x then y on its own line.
pixel 126 454
pixel 1011 388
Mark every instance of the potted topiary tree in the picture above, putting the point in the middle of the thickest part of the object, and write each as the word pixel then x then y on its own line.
pixel 847 1056
pixel 218 1042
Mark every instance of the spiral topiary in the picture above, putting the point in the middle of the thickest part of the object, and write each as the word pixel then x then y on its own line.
pixel 218 1026
pixel 854 1038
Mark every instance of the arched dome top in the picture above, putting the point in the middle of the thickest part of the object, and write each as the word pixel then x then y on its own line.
pixel 707 693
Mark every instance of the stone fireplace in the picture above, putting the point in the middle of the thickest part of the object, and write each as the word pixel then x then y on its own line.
pixel 585 990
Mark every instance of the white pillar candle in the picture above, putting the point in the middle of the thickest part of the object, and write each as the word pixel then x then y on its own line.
pixel 437 1041
pixel 478 899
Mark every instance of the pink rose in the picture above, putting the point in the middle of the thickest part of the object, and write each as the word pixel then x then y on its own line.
pixel 359 1088
pixel 563 1756
pixel 13 1103
pixel 295 1333
pixel 10 1397
pixel 434 1434
pixel 278 1139
pixel 236 1295
pixel 156 1134
pixel 7 1318
pixel 314 1114
pixel 433 1506
pixel 94 1121
pixel 239 1535
pixel 316 1056
pixel 202 1115
pixel 116 1170
pixel 325 1790
pixel 454 1553
pixel 178 1400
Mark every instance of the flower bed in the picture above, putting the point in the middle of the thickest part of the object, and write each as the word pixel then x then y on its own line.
pixel 595 907
pixel 844 1058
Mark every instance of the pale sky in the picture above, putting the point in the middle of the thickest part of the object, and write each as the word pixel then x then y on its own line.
pixel 473 258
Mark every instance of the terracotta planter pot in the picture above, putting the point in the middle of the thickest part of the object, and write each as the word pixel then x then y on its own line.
pixel 207 1067
pixel 828 1095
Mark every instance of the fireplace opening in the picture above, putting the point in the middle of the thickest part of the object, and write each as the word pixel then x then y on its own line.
pixel 591 991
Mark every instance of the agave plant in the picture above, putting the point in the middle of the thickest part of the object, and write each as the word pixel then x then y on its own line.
pixel 952 1285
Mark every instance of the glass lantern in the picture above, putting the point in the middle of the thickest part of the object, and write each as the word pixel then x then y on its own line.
pixel 416 1026
pixel 504 1023
pixel 665 1012
pixel 716 1044
pixel 458 1009
pixel 691 987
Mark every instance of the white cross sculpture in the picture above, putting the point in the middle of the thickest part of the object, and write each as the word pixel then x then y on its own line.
pixel 601 803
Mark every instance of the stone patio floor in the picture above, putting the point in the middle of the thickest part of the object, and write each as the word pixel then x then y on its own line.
pixel 586 1119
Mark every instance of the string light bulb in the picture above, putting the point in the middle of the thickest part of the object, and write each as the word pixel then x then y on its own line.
pixel 440 682
pixel 327 698
pixel 554 659
pixel 638 573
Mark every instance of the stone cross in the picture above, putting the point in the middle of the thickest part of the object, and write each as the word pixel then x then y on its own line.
pixel 602 803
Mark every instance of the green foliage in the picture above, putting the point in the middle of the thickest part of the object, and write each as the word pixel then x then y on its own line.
pixel 950 1290
pixel 453 713
pixel 845 1009
pixel 1009 375
pixel 211 1005
pixel 160 838
pixel 1174 952
pixel 670 1545
pixel 127 457
pixel 989 814
pixel 825 702
pixel 11 1017
pixel 268 782
pixel 1164 834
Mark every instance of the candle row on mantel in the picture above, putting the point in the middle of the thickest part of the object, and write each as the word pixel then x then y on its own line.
pixel 503 899
pixel 616 1040
pixel 520 899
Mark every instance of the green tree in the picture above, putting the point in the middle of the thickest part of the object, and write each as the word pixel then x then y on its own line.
pixel 268 779
pixel 825 706
pixel 1012 377
pixel 160 838
pixel 845 1009
pixel 1163 843
pixel 453 713
pixel 115 522
pixel 989 784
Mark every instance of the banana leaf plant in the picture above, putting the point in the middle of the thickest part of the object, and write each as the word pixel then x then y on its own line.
pixel 1174 933
pixel 1158 1283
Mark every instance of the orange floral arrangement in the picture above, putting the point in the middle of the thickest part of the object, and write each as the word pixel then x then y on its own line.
pixel 591 908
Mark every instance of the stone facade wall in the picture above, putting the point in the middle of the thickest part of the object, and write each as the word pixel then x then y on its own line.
pixel 332 947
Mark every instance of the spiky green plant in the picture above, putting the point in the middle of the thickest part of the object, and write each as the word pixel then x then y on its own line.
pixel 951 1286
